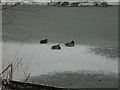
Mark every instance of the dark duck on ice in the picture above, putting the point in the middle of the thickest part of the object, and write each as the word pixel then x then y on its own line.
pixel 70 44
pixel 44 41
pixel 56 47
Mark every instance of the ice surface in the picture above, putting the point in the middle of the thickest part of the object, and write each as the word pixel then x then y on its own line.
pixel 41 59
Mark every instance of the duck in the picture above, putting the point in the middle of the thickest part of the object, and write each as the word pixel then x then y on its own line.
pixel 56 47
pixel 70 44
pixel 44 41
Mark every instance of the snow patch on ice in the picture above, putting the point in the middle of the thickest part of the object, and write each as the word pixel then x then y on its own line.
pixel 42 59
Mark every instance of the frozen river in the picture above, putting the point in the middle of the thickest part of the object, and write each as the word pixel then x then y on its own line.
pixel 89 27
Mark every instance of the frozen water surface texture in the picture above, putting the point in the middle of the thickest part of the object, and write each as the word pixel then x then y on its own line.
pixel 92 62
